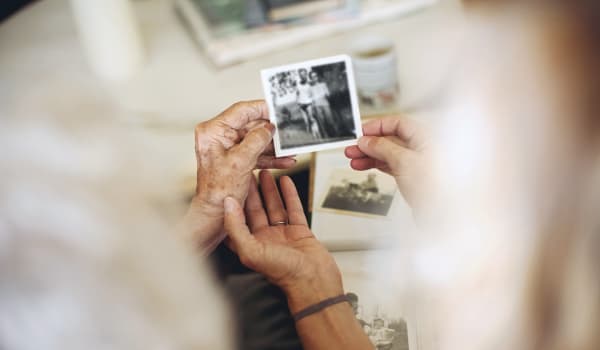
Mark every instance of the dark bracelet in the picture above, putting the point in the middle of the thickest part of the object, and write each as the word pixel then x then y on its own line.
pixel 320 306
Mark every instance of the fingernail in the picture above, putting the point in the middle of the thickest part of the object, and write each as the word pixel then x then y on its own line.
pixel 364 141
pixel 230 204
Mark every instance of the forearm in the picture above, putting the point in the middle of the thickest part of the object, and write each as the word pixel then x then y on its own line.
pixel 203 228
pixel 335 327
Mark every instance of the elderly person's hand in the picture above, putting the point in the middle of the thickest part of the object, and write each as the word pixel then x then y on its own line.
pixel 397 146
pixel 278 243
pixel 275 241
pixel 228 148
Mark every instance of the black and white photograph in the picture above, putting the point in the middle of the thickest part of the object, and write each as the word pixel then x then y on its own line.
pixel 387 319
pixel 368 193
pixel 386 332
pixel 313 105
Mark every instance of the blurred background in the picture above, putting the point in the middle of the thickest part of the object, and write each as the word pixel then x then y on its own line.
pixel 156 68
pixel 159 67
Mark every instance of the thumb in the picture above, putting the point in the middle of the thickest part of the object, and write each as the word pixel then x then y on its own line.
pixel 255 142
pixel 242 241
pixel 383 149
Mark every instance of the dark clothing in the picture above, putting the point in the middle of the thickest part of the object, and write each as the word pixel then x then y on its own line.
pixel 10 7
pixel 263 320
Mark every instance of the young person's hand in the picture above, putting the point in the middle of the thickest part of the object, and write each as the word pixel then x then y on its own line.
pixel 277 243
pixel 228 148
pixel 397 146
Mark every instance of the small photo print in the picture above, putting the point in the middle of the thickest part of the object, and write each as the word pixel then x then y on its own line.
pixel 313 105
pixel 369 193
pixel 386 331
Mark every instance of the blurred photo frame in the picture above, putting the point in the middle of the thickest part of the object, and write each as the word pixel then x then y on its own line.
pixel 342 226
pixel 313 105
pixel 367 194
pixel 390 319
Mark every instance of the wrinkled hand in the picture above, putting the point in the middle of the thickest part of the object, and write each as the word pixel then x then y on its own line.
pixel 289 255
pixel 397 146
pixel 228 148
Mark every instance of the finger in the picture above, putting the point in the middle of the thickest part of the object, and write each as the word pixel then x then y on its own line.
pixel 361 164
pixel 270 150
pixel 204 139
pixel 255 213
pixel 251 125
pixel 353 152
pixel 235 225
pixel 408 130
pixel 254 144
pixel 272 199
pixel 385 150
pixel 386 126
pixel 241 113
pixel 292 202
pixel 270 162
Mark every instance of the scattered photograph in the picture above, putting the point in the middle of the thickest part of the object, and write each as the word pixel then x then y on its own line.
pixel 386 332
pixel 369 193
pixel 313 105
pixel 386 317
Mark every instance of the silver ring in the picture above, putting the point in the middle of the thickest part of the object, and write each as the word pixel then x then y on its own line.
pixel 278 223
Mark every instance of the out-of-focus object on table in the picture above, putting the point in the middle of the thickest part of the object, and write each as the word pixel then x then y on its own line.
pixel 287 10
pixel 44 73
pixel 109 34
pixel 226 43
pixel 375 69
pixel 352 226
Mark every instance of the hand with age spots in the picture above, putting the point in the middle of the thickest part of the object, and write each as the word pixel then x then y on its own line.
pixel 228 148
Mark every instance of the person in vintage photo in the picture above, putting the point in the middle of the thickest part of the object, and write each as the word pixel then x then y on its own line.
pixel 359 193
pixel 305 101
pixel 380 335
pixel 321 107
pixel 384 333
pixel 313 105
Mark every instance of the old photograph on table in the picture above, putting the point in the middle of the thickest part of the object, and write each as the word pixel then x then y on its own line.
pixel 386 331
pixel 313 105
pixel 369 193
pixel 387 318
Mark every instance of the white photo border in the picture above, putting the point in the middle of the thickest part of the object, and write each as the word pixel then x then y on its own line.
pixel 267 73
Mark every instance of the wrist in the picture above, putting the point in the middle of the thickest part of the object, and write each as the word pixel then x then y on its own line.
pixel 206 205
pixel 310 291
pixel 202 223
pixel 321 306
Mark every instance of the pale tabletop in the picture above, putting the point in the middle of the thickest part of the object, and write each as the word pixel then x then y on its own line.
pixel 43 71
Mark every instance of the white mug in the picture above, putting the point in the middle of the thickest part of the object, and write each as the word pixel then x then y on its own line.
pixel 110 37
pixel 374 62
